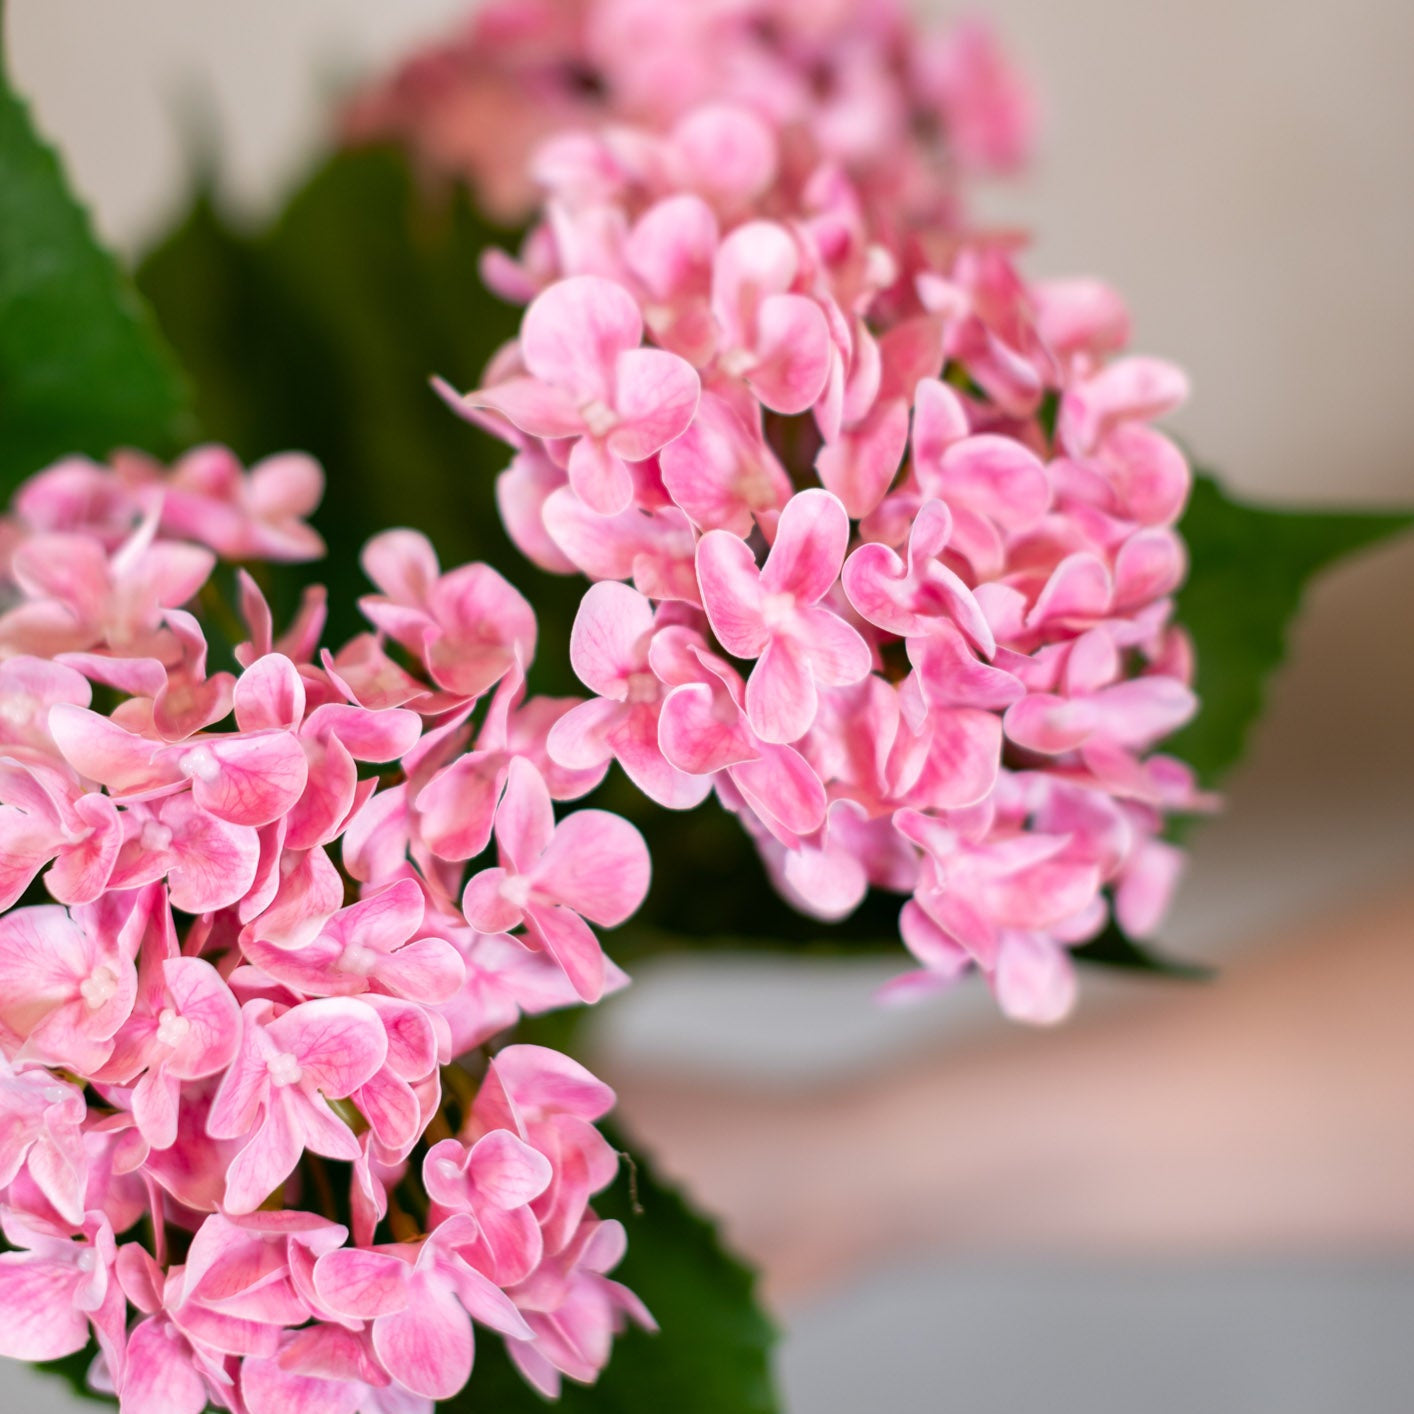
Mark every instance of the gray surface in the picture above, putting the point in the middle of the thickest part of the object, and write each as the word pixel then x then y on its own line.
pixel 992 1340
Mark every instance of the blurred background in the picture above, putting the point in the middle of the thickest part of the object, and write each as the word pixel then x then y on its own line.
pixel 1240 171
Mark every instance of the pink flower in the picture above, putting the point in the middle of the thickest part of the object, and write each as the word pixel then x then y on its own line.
pixel 289 1066
pixel 244 515
pixel 774 614
pixel 421 1305
pixel 552 877
pixel 66 985
pixel 54 1289
pixel 776 340
pixel 587 381
pixel 469 626
pixel 610 649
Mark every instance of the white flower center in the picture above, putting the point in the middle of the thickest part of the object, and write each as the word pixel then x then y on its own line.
pixel 156 837
pixel 284 1069
pixel 599 417
pixel 172 1028
pixel 516 890
pixel 201 762
pixel 98 987
pixel 358 960
pixel 777 609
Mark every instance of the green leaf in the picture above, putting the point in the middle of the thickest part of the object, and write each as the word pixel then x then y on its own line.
pixel 1115 949
pixel 1250 566
pixel 712 1354
pixel 82 368
pixel 322 332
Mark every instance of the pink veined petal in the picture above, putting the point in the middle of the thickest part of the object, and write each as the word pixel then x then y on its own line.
pixel 44 955
pixel 362 1284
pixel 427 1346
pixel 671 246
pixel 573 333
pixel 204 1002
pixel 809 547
pixel 426 970
pixel 608 640
pixel 38 1317
pixel 758 258
pixel 389 1105
pixel 860 465
pixel 634 739
pixel 732 593
pixel 999 477
pixel 537 1077
pixel 484 1300
pixel 539 408
pixel 571 942
pixel 829 884
pixel 384 735
pixel 269 694
pixel 1034 979
pixel 485 906
pixel 781 700
pixel 525 820
pixel 403 564
pixel 155 1099
pixel 721 472
pixel 268 1388
pixel 1149 565
pixel 599 477
pixel 792 354
pixel 783 786
pixel 579 741
pixel 656 396
pixel 337 1041
pixel 939 420
pixel 103 751
pixel 213 863
pixel 506 1170
pixel 1144 893
pixel 597 864
pixel 247 780
pixel 838 655
pixel 267 1160
pixel 701 733
pixel 875 581
pixel 1049 724
pixel 1079 589
pixel 964 756
pixel 160 1376
pixel 81 873
pixel 728 151
pixel 1139 712
pixel 521 492
pixel 457 807
pixel 950 674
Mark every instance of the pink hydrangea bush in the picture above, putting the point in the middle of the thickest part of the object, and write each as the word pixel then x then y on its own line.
pixel 278 944
pixel 892 526
pixel 905 112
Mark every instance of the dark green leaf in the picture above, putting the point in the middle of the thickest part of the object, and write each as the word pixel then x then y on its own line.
pixel 1114 949
pixel 713 1352
pixel 82 368
pixel 321 333
pixel 1249 568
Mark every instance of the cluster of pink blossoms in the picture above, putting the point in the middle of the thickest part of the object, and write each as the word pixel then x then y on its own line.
pixel 854 82
pixel 883 534
pixel 240 1015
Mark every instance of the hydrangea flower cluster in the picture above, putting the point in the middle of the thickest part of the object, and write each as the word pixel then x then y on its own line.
pixel 238 1020
pixel 882 532
pixel 905 112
